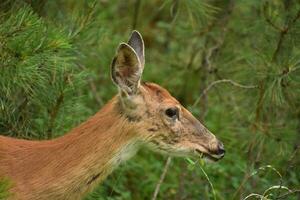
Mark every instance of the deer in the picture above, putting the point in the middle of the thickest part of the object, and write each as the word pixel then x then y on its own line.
pixel 142 114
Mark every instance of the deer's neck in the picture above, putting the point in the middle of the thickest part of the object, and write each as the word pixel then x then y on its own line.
pixel 73 164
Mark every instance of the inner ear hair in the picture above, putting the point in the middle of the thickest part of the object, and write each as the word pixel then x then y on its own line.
pixel 126 69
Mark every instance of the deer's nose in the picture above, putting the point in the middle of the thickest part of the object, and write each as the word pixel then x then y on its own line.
pixel 221 150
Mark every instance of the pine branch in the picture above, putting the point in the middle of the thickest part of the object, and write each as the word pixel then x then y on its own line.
pixel 268 20
pixel 211 85
pixel 53 115
pixel 86 20
pixel 283 32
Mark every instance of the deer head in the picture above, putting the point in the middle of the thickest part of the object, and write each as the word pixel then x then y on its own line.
pixel 160 121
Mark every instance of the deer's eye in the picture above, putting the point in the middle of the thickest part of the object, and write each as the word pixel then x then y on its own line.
pixel 172 113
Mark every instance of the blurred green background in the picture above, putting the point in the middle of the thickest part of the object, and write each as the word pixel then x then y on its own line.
pixel 234 64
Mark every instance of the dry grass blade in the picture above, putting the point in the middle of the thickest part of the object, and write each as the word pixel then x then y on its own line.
pixel 161 179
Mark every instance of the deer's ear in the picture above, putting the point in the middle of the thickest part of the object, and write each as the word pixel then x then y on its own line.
pixel 126 69
pixel 137 43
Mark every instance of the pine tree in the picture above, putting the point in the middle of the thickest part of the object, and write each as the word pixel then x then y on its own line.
pixel 39 77
pixel 235 64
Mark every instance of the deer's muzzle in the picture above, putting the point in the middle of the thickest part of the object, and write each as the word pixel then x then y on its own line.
pixel 214 152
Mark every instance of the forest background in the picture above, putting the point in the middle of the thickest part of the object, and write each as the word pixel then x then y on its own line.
pixel 234 64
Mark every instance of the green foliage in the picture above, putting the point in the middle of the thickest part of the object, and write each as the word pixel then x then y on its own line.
pixel 234 64
pixel 37 75
pixel 4 187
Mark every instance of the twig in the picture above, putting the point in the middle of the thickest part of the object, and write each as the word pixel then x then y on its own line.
pixel 53 114
pixel 283 32
pixel 279 44
pixel 272 24
pixel 263 196
pixel 210 53
pixel 86 20
pixel 247 177
pixel 296 17
pixel 223 81
pixel 161 179
pixel 287 194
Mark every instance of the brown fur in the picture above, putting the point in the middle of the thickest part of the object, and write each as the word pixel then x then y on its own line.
pixel 158 92
pixel 69 166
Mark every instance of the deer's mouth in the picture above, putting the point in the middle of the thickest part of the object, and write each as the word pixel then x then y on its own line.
pixel 211 157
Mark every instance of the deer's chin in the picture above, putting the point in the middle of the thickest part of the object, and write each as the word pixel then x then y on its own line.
pixel 209 157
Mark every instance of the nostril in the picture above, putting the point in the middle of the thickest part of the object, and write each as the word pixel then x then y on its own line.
pixel 221 150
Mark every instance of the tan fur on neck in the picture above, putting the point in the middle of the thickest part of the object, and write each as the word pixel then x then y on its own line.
pixel 70 166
